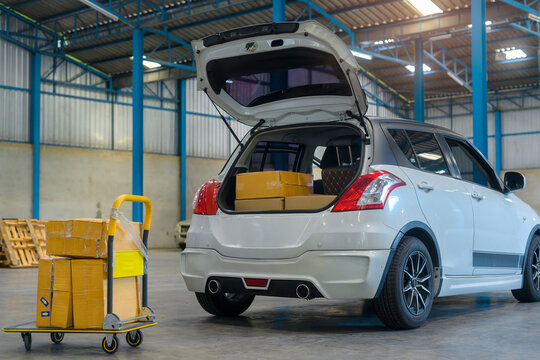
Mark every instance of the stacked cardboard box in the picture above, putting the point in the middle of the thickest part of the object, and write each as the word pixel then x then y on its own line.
pixel 277 190
pixel 72 289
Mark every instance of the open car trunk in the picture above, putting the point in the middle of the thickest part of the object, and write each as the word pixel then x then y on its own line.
pixel 297 168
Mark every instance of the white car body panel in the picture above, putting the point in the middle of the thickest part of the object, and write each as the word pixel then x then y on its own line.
pixel 448 203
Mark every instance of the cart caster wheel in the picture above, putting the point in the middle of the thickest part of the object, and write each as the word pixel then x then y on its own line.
pixel 134 338
pixel 27 339
pixel 57 337
pixel 110 349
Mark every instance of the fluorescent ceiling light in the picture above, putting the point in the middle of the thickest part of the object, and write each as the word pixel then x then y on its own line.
pixel 361 55
pixel 488 23
pixel 533 17
pixel 512 53
pixel 455 78
pixel 96 6
pixel 425 7
pixel 424 67
pixel 147 63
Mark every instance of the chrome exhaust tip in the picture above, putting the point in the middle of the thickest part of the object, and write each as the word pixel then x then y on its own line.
pixel 303 291
pixel 214 286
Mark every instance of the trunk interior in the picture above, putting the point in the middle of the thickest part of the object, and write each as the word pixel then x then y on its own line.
pixel 293 169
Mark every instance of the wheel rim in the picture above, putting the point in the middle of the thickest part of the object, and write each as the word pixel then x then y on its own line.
pixel 416 276
pixel 535 271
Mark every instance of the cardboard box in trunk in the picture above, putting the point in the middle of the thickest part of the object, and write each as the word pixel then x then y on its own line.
pixel 90 294
pixel 259 204
pixel 308 202
pixel 86 238
pixel 54 294
pixel 272 184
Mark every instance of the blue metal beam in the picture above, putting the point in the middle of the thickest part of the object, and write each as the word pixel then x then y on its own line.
pixel 522 5
pixel 181 118
pixel 35 128
pixel 529 26
pixel 498 142
pixel 113 12
pixel 138 145
pixel 278 10
pixel 419 80
pixel 479 76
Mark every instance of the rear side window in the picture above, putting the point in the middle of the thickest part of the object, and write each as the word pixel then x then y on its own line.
pixel 421 149
pixel 428 152
pixel 403 142
pixel 269 156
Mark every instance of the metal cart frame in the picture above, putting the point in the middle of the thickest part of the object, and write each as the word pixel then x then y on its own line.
pixel 112 325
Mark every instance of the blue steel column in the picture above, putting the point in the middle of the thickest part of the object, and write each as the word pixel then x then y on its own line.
pixel 35 128
pixel 137 167
pixel 181 112
pixel 419 80
pixel 498 141
pixel 479 76
pixel 278 10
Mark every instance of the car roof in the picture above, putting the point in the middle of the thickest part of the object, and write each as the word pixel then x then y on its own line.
pixel 406 122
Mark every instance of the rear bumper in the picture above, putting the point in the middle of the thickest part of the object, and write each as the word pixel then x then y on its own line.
pixel 352 274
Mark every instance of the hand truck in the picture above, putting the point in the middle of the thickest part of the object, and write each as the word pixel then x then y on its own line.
pixel 112 325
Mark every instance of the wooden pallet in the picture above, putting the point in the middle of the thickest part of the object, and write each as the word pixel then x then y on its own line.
pixel 23 242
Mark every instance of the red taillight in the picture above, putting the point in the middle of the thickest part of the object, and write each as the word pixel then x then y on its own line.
pixel 368 192
pixel 205 202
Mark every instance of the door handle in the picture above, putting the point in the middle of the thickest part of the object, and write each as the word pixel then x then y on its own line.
pixel 425 186
pixel 477 196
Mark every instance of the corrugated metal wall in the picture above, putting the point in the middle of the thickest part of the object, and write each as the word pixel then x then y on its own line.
pixel 520 129
pixel 14 102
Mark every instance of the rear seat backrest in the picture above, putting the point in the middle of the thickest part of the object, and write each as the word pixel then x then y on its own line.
pixel 335 176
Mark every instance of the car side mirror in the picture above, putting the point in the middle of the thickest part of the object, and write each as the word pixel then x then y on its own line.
pixel 514 181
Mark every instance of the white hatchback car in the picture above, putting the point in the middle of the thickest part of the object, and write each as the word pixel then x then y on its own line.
pixel 418 212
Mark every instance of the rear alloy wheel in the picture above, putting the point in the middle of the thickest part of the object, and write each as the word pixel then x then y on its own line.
pixel 407 295
pixel 531 274
pixel 224 304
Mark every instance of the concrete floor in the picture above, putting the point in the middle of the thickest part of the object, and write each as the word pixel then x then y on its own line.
pixel 483 326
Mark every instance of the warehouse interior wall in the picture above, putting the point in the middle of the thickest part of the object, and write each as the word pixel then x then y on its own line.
pixel 83 183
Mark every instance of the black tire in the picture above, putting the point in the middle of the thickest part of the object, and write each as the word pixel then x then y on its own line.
pixel 134 338
pixel 530 291
pixel 27 339
pixel 407 295
pixel 224 304
pixel 57 337
pixel 110 349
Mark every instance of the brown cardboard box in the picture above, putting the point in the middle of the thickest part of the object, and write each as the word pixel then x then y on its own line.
pixel 307 202
pixel 272 184
pixel 86 238
pixel 54 295
pixel 90 294
pixel 259 204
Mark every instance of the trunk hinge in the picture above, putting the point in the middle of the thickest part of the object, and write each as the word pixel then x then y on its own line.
pixel 258 125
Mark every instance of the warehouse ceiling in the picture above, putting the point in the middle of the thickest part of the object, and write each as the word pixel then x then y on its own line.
pixel 106 44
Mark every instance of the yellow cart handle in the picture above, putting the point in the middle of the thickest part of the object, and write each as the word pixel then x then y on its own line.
pixel 111 232
pixel 133 198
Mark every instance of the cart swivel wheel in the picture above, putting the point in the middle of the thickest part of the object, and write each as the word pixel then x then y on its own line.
pixel 27 339
pixel 110 349
pixel 134 338
pixel 57 337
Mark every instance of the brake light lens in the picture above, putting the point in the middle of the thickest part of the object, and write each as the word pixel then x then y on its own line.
pixel 368 192
pixel 205 202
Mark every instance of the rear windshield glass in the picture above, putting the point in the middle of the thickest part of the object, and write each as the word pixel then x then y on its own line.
pixel 269 156
pixel 256 79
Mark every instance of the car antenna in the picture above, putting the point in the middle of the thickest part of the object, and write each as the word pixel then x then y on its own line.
pixel 223 118
pixel 360 117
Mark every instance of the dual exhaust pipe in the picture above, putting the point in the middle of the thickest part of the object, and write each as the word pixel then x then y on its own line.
pixel 303 291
